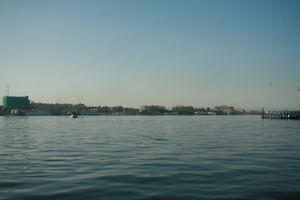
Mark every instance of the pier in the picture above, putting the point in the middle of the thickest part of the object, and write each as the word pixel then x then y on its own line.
pixel 280 114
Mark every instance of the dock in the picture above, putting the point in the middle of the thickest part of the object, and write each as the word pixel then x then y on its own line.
pixel 280 114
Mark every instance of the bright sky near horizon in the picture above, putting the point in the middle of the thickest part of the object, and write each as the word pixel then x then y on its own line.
pixel 161 52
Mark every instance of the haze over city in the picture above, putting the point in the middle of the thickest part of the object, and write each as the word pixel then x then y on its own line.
pixel 131 53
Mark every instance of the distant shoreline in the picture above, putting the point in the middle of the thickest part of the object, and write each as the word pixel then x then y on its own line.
pixel 23 106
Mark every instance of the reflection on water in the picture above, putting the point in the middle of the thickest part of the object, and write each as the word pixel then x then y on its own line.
pixel 138 157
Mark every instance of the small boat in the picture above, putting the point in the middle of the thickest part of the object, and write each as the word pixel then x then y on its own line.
pixel 280 114
pixel 73 115
pixel 16 112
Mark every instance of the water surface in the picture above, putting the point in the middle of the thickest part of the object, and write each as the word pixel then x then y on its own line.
pixel 144 157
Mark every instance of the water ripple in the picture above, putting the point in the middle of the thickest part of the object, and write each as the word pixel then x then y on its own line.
pixel 137 157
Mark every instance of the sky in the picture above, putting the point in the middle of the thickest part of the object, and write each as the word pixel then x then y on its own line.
pixel 155 52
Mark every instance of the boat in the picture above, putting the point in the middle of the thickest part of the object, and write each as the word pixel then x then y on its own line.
pixel 73 115
pixel 280 114
pixel 16 112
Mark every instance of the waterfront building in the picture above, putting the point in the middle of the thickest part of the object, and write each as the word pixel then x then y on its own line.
pixel 225 108
pixel 152 110
pixel 12 102
pixel 229 110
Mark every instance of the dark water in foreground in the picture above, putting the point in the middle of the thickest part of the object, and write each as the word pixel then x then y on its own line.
pixel 135 157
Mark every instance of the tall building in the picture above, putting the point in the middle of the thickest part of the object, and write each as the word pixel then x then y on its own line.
pixel 16 102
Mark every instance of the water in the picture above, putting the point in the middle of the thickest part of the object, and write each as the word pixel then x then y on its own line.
pixel 140 157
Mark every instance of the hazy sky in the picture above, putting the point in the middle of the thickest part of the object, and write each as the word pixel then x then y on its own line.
pixel 131 53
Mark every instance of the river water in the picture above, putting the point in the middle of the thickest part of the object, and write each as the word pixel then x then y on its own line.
pixel 149 157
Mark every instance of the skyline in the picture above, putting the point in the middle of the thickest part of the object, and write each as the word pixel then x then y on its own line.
pixel 142 105
pixel 131 53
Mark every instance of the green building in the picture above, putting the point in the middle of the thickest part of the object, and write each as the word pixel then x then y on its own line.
pixel 16 102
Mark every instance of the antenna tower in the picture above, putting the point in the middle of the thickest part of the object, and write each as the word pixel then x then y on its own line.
pixel 7 90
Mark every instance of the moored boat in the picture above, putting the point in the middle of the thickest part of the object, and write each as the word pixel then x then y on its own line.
pixel 280 114
pixel 73 114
